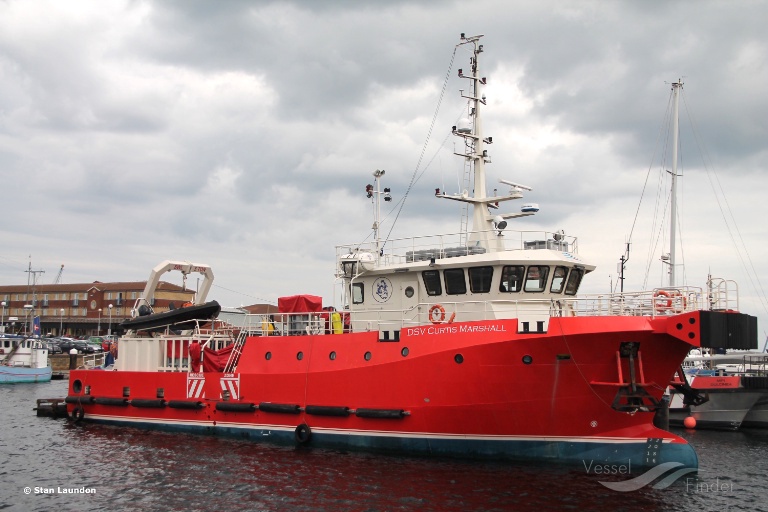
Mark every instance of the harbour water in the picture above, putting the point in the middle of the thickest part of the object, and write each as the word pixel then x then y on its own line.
pixel 53 464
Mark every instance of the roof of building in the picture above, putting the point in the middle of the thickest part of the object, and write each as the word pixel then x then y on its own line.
pixel 260 309
pixel 80 287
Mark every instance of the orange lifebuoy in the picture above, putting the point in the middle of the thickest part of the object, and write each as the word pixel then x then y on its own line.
pixel 437 314
pixel 683 303
pixel 662 305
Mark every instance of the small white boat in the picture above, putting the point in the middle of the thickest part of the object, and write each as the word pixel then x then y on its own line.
pixel 23 360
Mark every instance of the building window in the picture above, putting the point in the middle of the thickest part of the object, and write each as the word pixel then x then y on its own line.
pixel 480 279
pixel 432 282
pixel 455 284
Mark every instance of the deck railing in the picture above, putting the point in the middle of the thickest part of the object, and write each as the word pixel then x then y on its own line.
pixel 423 248
pixel 170 352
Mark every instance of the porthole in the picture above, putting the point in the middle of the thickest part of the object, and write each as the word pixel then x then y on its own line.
pixel 300 356
pixel 404 352
pixel 77 386
pixel 332 356
pixel 409 292
pixel 458 358
pixel 367 356
pixel 268 356
pixel 527 359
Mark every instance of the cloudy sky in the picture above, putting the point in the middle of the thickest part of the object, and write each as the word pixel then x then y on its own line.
pixel 242 133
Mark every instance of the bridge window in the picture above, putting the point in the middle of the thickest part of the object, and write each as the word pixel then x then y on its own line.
pixel 574 280
pixel 455 284
pixel 480 279
pixel 558 279
pixel 357 293
pixel 536 278
pixel 432 282
pixel 511 278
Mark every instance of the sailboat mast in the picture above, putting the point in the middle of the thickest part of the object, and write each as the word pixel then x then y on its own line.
pixel 673 210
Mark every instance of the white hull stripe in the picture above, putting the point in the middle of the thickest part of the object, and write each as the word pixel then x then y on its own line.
pixel 370 433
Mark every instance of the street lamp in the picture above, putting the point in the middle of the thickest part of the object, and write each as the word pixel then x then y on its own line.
pixel 61 322
pixel 110 320
pixel 2 318
pixel 98 329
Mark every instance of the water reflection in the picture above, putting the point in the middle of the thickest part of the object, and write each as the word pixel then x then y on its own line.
pixel 139 469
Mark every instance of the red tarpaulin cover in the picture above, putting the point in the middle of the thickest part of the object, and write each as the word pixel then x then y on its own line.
pixel 216 360
pixel 300 304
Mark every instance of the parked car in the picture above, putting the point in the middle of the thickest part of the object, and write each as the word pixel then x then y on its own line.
pixel 66 344
pixel 96 346
pixel 84 347
pixel 52 346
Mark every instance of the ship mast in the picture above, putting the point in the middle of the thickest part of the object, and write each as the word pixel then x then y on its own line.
pixel 486 231
pixel 374 193
pixel 676 86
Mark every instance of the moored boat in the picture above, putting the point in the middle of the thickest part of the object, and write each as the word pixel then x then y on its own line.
pixel 23 359
pixel 728 392
pixel 467 344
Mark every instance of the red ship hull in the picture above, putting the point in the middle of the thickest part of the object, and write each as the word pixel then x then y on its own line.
pixel 468 389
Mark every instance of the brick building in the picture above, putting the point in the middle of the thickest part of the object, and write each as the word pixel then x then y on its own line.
pixel 80 309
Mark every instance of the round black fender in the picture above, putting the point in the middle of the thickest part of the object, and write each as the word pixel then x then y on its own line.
pixel 303 434
pixel 77 413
